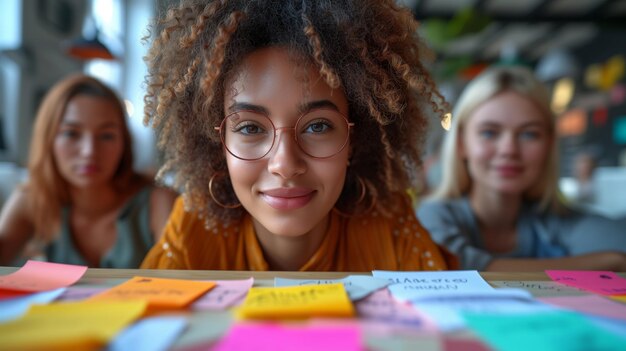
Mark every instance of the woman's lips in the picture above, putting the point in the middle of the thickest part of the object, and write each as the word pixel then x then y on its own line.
pixel 509 171
pixel 288 198
pixel 87 169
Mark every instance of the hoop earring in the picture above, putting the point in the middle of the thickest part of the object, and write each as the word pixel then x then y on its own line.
pixel 360 200
pixel 213 196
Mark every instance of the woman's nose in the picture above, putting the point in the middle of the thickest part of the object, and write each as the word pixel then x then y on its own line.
pixel 87 145
pixel 509 144
pixel 286 158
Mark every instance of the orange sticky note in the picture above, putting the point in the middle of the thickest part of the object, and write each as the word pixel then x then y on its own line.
pixel 37 276
pixel 158 292
pixel 328 300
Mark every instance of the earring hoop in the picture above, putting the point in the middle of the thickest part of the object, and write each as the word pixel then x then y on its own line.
pixel 213 196
pixel 363 192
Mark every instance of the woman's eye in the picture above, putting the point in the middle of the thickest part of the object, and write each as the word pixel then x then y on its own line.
pixel 529 135
pixel 249 128
pixel 318 127
pixel 488 133
pixel 108 136
pixel 71 134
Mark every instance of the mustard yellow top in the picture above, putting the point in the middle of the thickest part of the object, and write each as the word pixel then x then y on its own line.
pixel 352 244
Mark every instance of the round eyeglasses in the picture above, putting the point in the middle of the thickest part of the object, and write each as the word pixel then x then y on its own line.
pixel 250 135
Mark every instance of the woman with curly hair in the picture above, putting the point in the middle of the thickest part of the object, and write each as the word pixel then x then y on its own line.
pixel 82 202
pixel 293 129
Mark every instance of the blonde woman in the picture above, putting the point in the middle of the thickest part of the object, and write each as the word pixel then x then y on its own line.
pixel 498 206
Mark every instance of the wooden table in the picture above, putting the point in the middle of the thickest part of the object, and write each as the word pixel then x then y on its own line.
pixel 208 326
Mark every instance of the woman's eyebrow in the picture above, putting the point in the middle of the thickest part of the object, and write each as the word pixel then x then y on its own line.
pixel 245 106
pixel 306 107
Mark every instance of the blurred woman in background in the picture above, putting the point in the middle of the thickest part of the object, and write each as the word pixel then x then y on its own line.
pixel 82 202
pixel 498 206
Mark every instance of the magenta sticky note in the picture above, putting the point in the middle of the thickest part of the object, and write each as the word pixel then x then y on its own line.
pixel 271 337
pixel 599 282
pixel 589 304
pixel 37 276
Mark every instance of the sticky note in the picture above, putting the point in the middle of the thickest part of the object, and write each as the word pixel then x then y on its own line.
pixel 270 337
pixel 599 282
pixel 329 300
pixel 71 325
pixel 551 331
pixel 37 276
pixel 158 292
pixel 357 286
pixel 225 294
pixel 590 304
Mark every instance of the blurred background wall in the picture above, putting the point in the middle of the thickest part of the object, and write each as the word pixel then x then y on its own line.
pixel 577 48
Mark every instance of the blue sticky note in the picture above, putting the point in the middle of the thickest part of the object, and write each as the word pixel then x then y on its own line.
pixel 550 331
pixel 150 334
pixel 16 307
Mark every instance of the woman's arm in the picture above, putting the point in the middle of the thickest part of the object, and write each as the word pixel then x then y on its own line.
pixel 598 261
pixel 16 227
pixel 450 225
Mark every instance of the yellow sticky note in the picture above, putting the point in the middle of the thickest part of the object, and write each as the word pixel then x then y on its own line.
pixel 620 298
pixel 328 300
pixel 80 325
pixel 158 292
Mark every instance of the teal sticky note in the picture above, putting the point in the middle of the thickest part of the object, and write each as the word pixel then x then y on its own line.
pixel 619 130
pixel 549 331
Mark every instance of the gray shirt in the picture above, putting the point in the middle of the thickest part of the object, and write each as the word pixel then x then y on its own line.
pixel 453 224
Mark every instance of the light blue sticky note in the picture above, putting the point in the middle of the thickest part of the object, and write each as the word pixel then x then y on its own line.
pixel 406 286
pixel 551 331
pixel 357 286
pixel 16 307
pixel 150 334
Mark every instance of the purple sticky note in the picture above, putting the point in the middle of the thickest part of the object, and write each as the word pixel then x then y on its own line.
pixel 599 282
pixel 271 337
pixel 225 294
pixel 78 293
pixel 381 310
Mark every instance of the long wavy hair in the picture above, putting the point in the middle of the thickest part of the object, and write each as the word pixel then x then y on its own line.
pixel 456 180
pixel 368 48
pixel 46 188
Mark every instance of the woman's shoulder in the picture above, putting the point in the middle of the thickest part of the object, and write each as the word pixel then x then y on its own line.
pixel 18 203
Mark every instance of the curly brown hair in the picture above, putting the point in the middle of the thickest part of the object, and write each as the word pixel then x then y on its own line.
pixel 369 48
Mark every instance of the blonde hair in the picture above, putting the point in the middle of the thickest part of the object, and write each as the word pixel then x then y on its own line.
pixel 47 191
pixel 456 180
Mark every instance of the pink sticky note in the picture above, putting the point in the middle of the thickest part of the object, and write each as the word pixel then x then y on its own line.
pixel 591 304
pixel 271 337
pixel 599 282
pixel 40 276
pixel 223 295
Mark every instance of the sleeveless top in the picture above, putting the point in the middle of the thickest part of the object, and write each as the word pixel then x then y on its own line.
pixel 354 244
pixel 134 236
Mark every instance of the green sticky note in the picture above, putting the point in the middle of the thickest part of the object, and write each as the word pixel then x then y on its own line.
pixel 549 331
